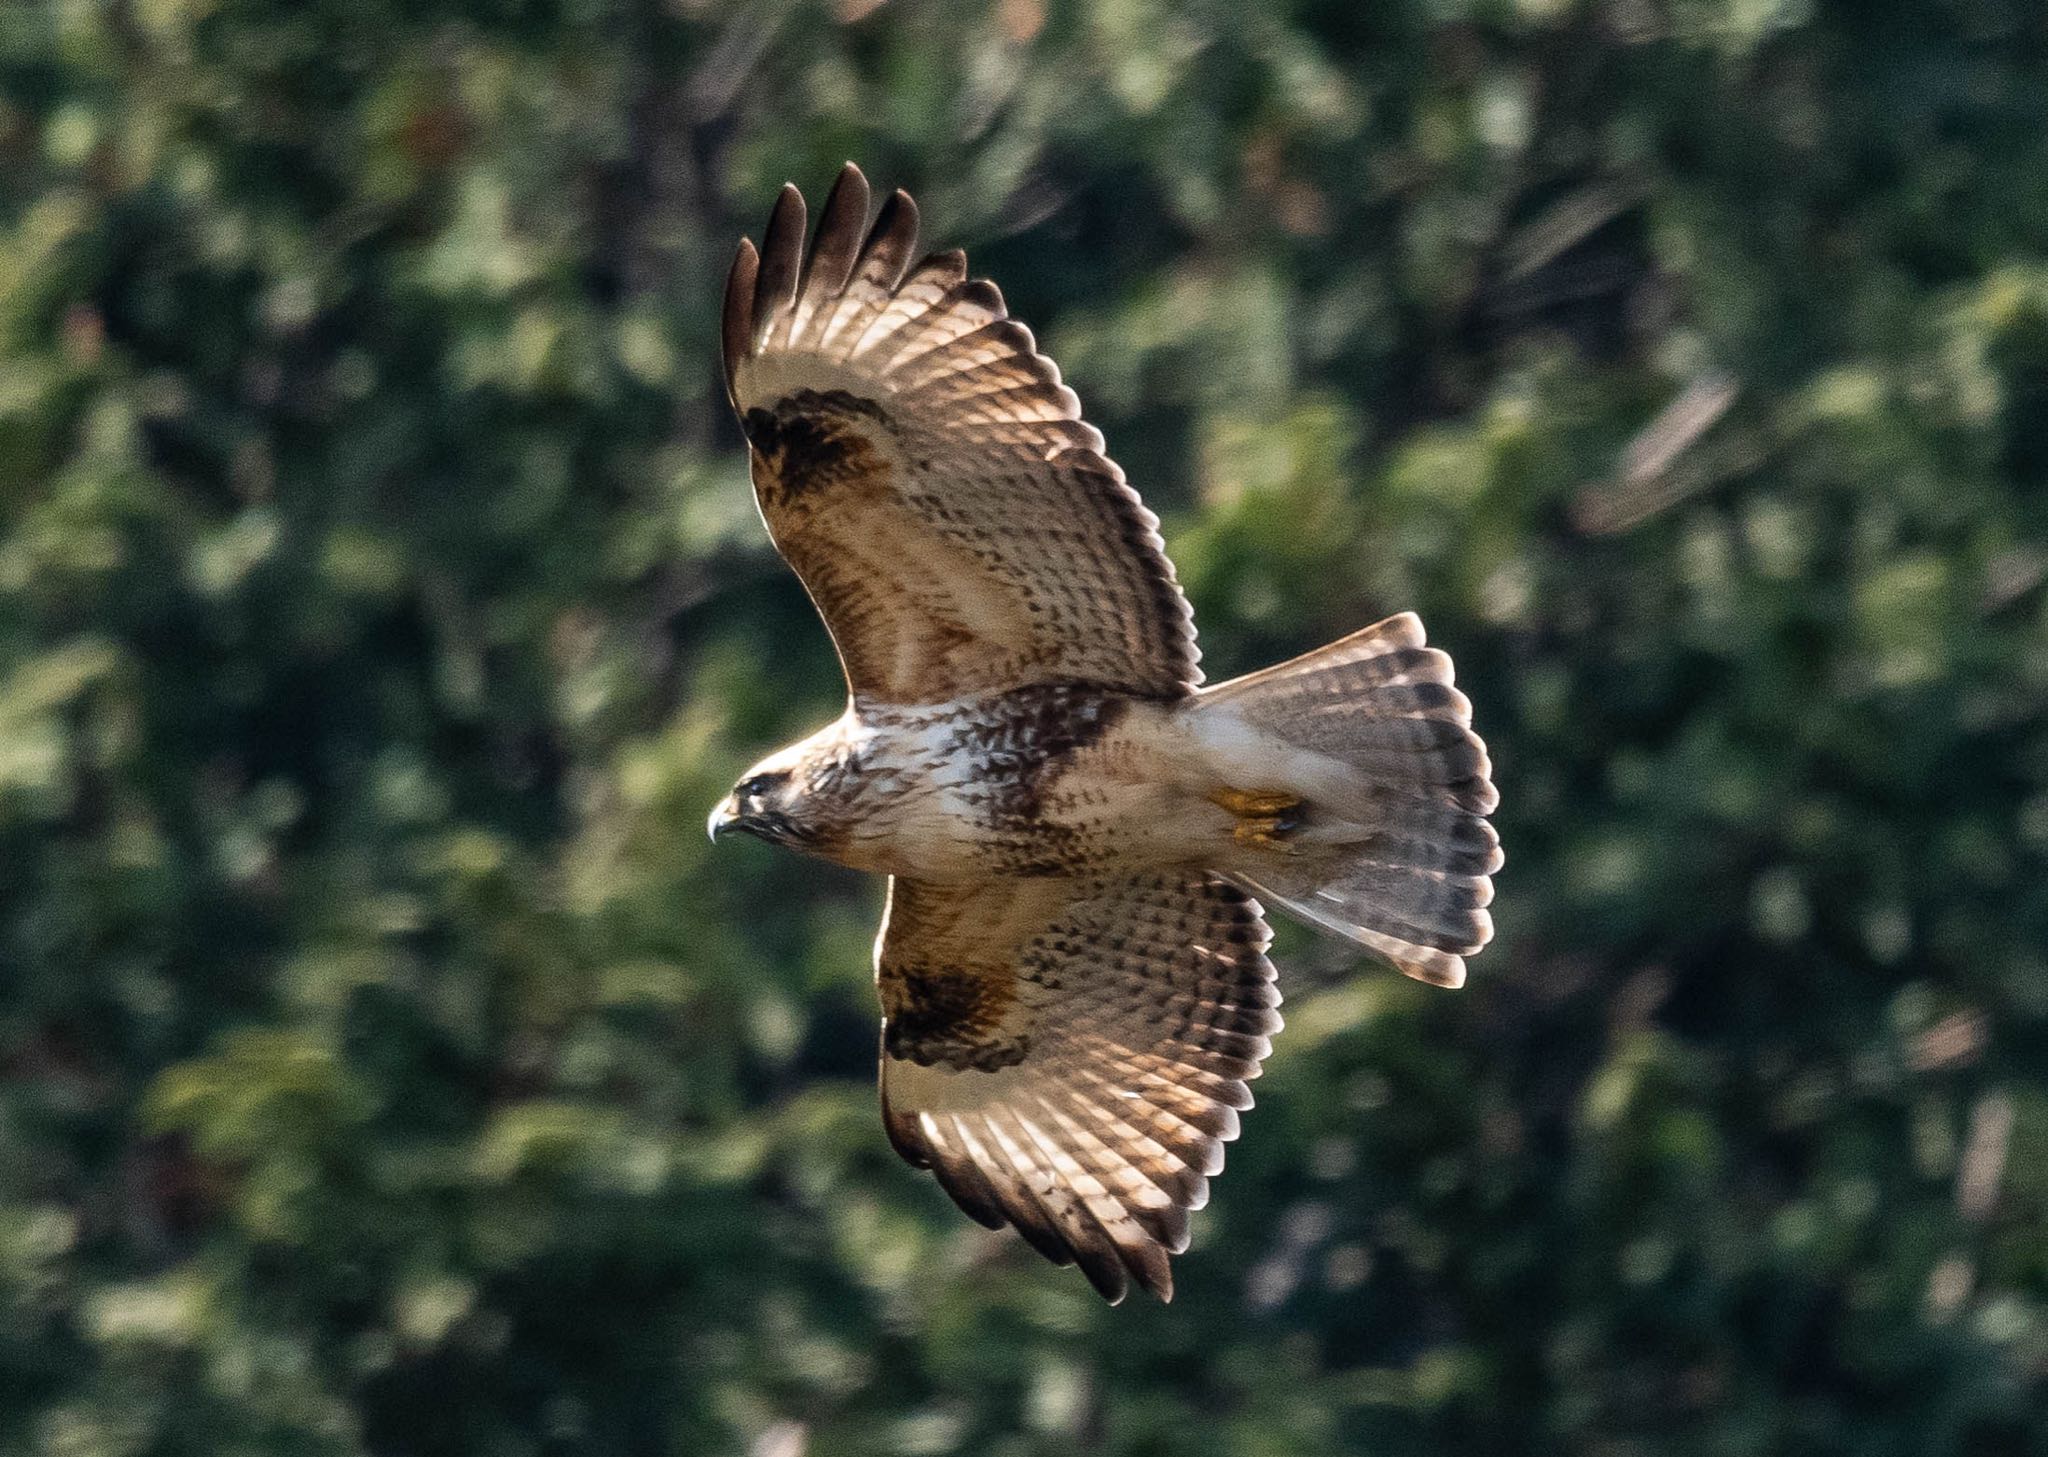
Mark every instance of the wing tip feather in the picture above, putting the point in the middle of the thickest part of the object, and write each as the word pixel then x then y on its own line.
pixel 736 324
pixel 947 266
pixel 835 247
pixel 891 241
pixel 782 250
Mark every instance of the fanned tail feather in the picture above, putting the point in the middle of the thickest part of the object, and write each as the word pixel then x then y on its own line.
pixel 1392 849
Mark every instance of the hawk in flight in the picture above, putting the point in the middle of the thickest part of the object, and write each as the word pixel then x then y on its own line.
pixel 1078 837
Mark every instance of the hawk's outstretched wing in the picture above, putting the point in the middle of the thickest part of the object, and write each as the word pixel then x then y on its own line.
pixel 1069 1056
pixel 921 466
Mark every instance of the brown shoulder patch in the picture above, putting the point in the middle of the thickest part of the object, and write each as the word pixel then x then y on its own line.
pixel 949 1016
pixel 810 443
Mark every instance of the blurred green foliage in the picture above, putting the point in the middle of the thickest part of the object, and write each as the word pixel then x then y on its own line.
pixel 389 1065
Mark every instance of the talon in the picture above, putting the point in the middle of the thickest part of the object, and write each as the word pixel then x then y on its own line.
pixel 1263 834
pixel 1264 816
pixel 1255 803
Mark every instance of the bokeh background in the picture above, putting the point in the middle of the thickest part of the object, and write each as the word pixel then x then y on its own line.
pixel 389 1066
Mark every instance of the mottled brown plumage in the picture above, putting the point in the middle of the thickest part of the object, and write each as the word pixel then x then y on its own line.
pixel 1072 971
pixel 924 470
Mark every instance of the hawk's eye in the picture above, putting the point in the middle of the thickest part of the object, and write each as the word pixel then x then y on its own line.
pixel 756 785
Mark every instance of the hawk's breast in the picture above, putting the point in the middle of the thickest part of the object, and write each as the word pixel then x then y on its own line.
pixel 1043 781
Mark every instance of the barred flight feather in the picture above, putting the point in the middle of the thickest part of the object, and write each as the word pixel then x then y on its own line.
pixel 926 472
pixel 1137 1008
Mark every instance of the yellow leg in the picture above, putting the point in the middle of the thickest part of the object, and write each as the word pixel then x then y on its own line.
pixel 1264 816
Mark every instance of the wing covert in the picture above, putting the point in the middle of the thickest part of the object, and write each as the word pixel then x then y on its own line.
pixel 921 466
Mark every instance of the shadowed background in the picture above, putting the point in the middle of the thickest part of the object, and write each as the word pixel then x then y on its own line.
pixel 389 1066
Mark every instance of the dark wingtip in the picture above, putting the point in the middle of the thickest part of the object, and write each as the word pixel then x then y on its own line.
pixel 1104 1271
pixel 983 294
pixel 899 218
pixel 737 326
pixel 949 261
pixel 892 241
pixel 782 248
pixel 841 223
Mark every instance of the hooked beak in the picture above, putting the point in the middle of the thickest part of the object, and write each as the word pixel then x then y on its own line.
pixel 724 817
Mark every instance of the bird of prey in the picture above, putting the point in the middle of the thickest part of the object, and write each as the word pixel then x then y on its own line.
pixel 1078 836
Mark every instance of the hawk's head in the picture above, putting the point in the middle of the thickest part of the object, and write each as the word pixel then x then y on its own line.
pixel 805 797
pixel 764 803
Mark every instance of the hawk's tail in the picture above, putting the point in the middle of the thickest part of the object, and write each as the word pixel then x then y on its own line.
pixel 1362 792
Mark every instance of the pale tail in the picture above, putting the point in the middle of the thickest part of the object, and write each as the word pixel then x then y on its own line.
pixel 1390 847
